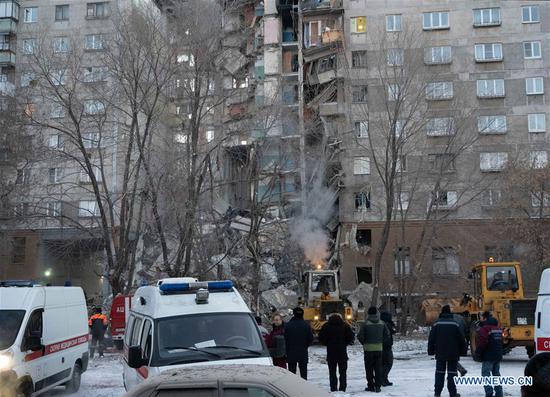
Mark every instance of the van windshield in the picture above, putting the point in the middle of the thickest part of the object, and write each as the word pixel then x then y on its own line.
pixel 207 337
pixel 10 322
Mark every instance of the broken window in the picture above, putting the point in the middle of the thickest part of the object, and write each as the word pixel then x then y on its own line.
pixel 402 263
pixel 445 261
pixel 364 275
pixel 361 129
pixel 19 245
pixel 362 201
pixel 363 237
pixel 359 59
pixel 445 198
pixel 491 197
pixel 359 93
pixel 442 162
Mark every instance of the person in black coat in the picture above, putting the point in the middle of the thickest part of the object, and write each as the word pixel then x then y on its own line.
pixel 336 335
pixel 298 337
pixel 447 343
pixel 387 353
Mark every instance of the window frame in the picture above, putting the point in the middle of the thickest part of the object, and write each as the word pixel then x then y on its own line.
pixel 364 198
pixel 29 50
pixel 483 46
pixel 500 157
pixel 482 24
pixel 488 130
pixel 32 14
pixel 530 8
pixel 361 56
pixel 85 212
pixel 536 130
pixel 353 24
pixel 60 10
pixel 94 6
pixel 394 18
pixel 438 121
pixel 531 49
pixel 494 82
pixel 364 93
pixel 361 165
pixel 538 159
pixel 53 209
pixel 534 80
pixel 432 26
pixel 433 60
pixel 361 128
pixel 97 41
pixel 433 87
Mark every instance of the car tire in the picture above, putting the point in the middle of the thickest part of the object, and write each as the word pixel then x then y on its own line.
pixel 24 390
pixel 530 351
pixel 73 385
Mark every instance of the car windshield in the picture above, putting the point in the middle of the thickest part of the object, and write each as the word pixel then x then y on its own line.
pixel 211 336
pixel 10 322
pixel 323 283
pixel 502 278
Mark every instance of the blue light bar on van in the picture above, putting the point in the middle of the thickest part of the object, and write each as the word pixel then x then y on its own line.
pixel 174 288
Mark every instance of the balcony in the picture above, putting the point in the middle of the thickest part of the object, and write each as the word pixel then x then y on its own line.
pixel 322 5
pixel 8 25
pixel 7 58
pixel 331 109
pixel 9 10
pixel 284 5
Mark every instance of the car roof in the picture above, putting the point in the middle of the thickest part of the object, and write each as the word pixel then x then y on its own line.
pixel 279 378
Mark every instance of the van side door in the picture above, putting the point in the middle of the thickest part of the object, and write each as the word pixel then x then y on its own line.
pixel 542 323
pixel 131 378
pixel 32 346
pixel 146 346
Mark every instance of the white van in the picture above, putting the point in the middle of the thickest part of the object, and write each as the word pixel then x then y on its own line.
pixel 182 322
pixel 43 338
pixel 542 314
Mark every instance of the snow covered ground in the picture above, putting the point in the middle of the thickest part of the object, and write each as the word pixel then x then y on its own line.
pixel 412 374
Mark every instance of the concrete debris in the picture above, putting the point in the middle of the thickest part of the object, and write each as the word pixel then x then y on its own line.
pixel 280 298
pixel 363 293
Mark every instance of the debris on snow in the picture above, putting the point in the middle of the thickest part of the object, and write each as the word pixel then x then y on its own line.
pixel 363 293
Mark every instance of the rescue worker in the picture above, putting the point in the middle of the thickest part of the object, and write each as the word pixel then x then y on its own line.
pixel 459 318
pixel 98 325
pixel 387 353
pixel 372 335
pixel 447 343
pixel 489 349
pixel 336 335
pixel 298 338
pixel 275 341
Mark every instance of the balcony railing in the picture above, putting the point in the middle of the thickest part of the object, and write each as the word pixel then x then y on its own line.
pixel 7 58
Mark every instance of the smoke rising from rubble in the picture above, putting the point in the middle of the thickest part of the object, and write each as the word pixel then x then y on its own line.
pixel 309 231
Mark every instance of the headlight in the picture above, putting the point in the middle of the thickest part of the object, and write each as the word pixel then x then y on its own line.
pixel 348 317
pixel 316 318
pixel 5 361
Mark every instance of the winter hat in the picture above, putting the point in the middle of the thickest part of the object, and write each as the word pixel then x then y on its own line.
pixel 539 368
pixel 372 310
pixel 446 309
pixel 298 312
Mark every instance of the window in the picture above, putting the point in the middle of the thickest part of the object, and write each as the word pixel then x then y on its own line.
pixel 490 88
pixel 97 10
pixel 442 162
pixel 436 20
pixel 445 199
pixel 488 52
pixel 18 245
pixel 62 12
pixel 55 175
pixel 532 50
pixel 22 209
pixel 361 129
pixel 4 42
pixel 146 340
pixel 59 77
pixel 534 85
pixel 439 90
pixel 237 83
pixel 61 44
pixel 94 42
pixel 30 14
pixel 395 56
pixel 27 78
pixel 530 14
pixel 362 201
pixel 246 392
pixel 364 275
pixel 401 163
pixel 536 122
pixel 29 46
pixel 94 107
pixel 538 159
pixel 9 9
pixel 54 209
pixel 438 55
pixel 491 124
pixel 487 17
pixel 361 166
pixel 495 161
pixel 209 135
pixel 393 23
pixel 23 177
pixel 445 261
pixel 402 262
pixel 358 24
pixel 88 209
pixel 95 73
pixel 397 128
pixel 57 111
pixel 540 199
pixel 91 140
pixel 393 92
pixel 86 178
pixel 359 59
pixel 403 201
pixel 440 126
pixel 491 197
pixel 56 141
pixel 359 93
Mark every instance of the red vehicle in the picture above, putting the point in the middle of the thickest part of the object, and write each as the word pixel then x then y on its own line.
pixel 118 318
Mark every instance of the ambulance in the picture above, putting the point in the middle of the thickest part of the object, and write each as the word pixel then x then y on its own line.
pixel 542 314
pixel 181 322
pixel 43 338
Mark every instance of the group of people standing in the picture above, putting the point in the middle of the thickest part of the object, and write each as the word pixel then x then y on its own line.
pixel 288 344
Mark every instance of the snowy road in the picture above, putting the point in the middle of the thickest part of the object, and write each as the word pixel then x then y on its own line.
pixel 412 373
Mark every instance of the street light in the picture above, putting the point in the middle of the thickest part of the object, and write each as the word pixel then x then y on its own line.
pixel 48 273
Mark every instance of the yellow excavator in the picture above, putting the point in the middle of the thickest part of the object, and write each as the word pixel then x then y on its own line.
pixel 497 288
pixel 322 297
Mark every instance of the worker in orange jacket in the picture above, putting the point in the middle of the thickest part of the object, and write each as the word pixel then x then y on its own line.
pixel 98 325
